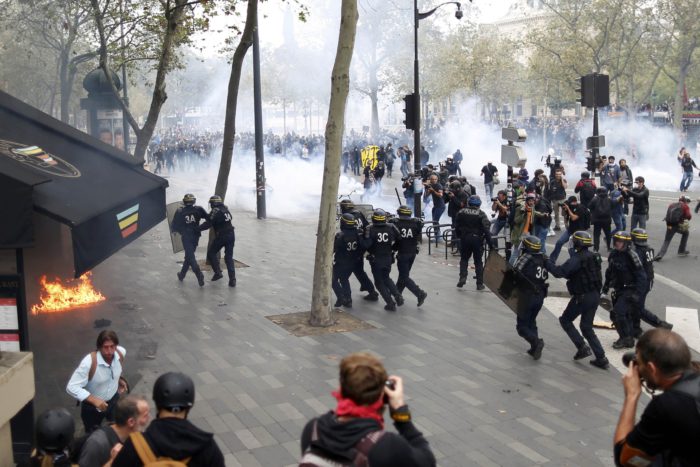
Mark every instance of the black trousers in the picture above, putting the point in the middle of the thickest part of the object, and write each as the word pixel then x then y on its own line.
pixel 472 245
pixel 92 418
pixel 190 245
pixel 381 270
pixel 359 271
pixel 404 263
pixel 341 282
pixel 224 240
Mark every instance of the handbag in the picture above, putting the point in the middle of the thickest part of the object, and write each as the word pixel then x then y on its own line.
pixel 496 180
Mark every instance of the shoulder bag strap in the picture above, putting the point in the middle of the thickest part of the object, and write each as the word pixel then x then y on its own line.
pixel 93 365
pixel 142 448
pixel 364 446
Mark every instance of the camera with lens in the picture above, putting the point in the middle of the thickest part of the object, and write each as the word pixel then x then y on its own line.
pixel 628 357
pixel 494 199
pixel 391 385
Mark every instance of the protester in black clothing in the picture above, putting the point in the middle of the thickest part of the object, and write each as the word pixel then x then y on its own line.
pixel 458 158
pixel 640 209
pixel 354 431
pixel 489 171
pixel 434 189
pixel 667 432
pixel 601 217
pixel 171 435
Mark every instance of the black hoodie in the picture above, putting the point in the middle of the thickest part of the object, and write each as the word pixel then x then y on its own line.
pixel 337 440
pixel 177 439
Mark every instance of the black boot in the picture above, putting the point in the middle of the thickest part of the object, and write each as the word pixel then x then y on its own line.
pixel 422 295
pixel 399 300
pixel 601 363
pixel 391 306
pixel 200 279
pixel 664 325
pixel 624 343
pixel 537 350
pixel 216 276
pixel 372 297
pixel 231 281
pixel 582 352
pixel 180 276
pixel 337 303
pixel 462 281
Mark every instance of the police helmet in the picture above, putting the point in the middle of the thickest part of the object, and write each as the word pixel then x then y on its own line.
pixel 54 430
pixel 523 173
pixel 601 190
pixel 216 200
pixel 404 211
pixel 474 201
pixel 532 244
pixel 452 178
pixel 639 236
pixel 622 236
pixel 173 391
pixel 347 220
pixel 455 185
pixel 189 199
pixel 585 174
pixel 582 239
pixel 346 205
pixel 379 216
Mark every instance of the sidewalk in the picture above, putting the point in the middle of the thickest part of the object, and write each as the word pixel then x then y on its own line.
pixel 473 390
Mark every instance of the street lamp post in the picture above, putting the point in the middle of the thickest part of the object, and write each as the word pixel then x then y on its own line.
pixel 417 16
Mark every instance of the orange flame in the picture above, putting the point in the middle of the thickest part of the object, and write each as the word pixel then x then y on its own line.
pixel 57 297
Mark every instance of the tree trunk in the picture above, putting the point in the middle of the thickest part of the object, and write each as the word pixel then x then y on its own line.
pixel 66 85
pixel 340 87
pixel 678 102
pixel 232 99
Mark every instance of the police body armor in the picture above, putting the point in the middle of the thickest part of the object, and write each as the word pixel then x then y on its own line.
pixel 469 221
pixel 221 220
pixel 623 265
pixel 186 220
pixel 347 247
pixel 589 277
pixel 535 272
pixel 646 256
pixel 383 237
pixel 410 234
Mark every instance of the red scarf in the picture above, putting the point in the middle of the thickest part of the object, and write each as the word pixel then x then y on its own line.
pixel 348 408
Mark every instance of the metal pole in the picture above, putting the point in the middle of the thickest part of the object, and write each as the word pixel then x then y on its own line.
pixel 259 150
pixel 595 150
pixel 125 122
pixel 417 197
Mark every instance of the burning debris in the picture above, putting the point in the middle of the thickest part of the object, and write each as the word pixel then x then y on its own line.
pixel 56 296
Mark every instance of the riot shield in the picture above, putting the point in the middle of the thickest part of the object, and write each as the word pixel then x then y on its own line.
pixel 512 288
pixel 175 237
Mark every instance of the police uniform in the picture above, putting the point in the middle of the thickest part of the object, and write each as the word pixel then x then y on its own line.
pixel 626 275
pixel 347 251
pixel 472 228
pixel 186 222
pixel 359 268
pixel 220 220
pixel 583 272
pixel 640 313
pixel 379 239
pixel 409 229
pixel 531 266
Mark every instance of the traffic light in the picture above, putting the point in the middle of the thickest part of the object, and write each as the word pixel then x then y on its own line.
pixel 591 164
pixel 410 111
pixel 587 90
pixel 602 90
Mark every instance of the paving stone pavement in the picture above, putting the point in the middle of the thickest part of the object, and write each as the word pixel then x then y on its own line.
pixel 474 392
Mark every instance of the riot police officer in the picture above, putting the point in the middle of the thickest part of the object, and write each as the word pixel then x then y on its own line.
pixel 646 255
pixel 379 239
pixel 348 207
pixel 347 251
pixel 626 275
pixel 530 265
pixel 220 220
pixel 186 223
pixel 583 272
pixel 407 247
pixel 472 228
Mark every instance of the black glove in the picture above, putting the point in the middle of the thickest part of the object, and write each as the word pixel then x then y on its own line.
pixel 634 298
pixel 605 290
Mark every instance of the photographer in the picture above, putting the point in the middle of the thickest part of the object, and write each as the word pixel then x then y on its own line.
pixel 434 189
pixel 354 433
pixel 557 195
pixel 668 429
pixel 500 207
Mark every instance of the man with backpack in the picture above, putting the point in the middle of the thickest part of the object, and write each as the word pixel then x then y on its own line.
pixel 353 434
pixel 171 437
pixel 677 221
pixel 601 217
pixel 95 383
pixel 130 414
pixel 586 188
